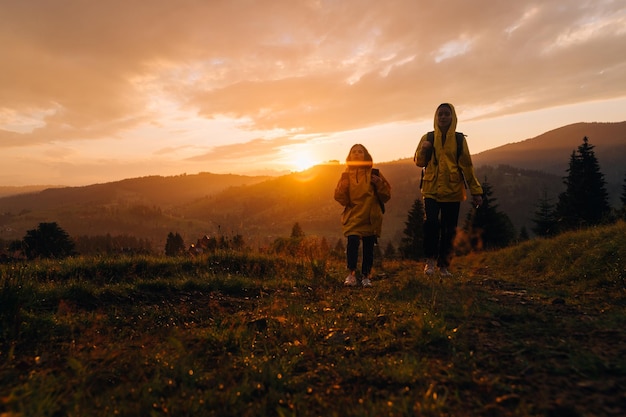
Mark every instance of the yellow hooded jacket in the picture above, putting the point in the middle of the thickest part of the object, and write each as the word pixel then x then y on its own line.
pixel 443 177
pixel 362 215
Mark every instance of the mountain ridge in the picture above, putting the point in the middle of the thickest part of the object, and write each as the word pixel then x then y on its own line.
pixel 263 208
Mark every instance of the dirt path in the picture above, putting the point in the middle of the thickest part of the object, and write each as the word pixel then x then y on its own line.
pixel 565 356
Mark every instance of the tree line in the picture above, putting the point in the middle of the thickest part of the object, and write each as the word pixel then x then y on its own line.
pixel 583 203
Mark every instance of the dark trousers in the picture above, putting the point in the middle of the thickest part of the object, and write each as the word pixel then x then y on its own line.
pixel 440 229
pixel 352 253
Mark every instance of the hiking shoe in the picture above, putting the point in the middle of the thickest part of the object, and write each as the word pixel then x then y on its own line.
pixel 429 268
pixel 443 271
pixel 366 282
pixel 350 281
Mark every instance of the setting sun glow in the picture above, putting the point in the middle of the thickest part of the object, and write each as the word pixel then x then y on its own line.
pixel 303 162
pixel 89 94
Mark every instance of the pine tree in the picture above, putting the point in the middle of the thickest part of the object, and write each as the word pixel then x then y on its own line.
pixel 523 235
pixel 585 201
pixel 412 244
pixel 488 227
pixel 296 231
pixel 545 222
pixel 174 245
pixel 48 240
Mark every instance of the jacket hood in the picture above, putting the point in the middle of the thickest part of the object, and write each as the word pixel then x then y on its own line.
pixel 452 128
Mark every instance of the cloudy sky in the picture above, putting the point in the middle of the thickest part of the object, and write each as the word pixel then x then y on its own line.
pixel 97 91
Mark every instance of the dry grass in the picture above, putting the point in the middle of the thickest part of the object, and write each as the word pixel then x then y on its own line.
pixel 537 329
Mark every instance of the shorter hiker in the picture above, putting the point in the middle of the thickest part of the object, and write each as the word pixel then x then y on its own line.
pixel 447 172
pixel 363 191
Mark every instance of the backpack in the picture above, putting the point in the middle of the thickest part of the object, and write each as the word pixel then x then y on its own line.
pixel 430 137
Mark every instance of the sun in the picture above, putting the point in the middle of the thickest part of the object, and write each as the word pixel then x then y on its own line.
pixel 303 162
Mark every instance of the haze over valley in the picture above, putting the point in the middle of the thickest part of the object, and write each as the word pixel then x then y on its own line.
pixel 264 208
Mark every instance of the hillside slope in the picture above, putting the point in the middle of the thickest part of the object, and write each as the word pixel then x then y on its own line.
pixel 550 152
pixel 263 208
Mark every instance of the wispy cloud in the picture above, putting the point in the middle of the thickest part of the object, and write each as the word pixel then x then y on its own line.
pixel 84 71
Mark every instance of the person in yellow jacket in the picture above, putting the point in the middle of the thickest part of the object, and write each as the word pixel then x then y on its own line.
pixel 363 191
pixel 446 175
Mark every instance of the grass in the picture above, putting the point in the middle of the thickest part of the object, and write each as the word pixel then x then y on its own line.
pixel 532 330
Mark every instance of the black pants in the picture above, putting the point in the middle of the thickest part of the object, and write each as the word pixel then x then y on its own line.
pixel 440 229
pixel 352 253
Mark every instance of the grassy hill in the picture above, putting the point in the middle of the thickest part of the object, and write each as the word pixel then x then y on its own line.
pixel 534 330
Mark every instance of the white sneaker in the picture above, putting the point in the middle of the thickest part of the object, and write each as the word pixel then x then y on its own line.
pixel 429 268
pixel 350 281
pixel 366 282
pixel 443 271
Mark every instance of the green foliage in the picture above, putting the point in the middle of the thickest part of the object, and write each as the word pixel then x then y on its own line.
pixel 109 245
pixel 174 245
pixel 487 227
pixel 48 240
pixel 296 231
pixel 412 244
pixel 585 201
pixel 545 220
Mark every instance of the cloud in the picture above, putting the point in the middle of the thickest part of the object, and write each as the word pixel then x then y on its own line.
pixel 255 148
pixel 85 71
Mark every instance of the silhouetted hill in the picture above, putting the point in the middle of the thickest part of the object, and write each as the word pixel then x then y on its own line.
pixel 158 191
pixel 551 151
pixel 6 191
pixel 263 208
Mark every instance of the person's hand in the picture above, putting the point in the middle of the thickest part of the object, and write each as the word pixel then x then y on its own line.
pixel 477 200
pixel 376 180
pixel 427 149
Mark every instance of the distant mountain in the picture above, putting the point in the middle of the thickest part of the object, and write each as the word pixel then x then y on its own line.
pixel 551 151
pixel 263 208
pixel 6 191
pixel 158 191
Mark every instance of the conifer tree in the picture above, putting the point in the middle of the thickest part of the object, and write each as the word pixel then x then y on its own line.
pixel 585 201
pixel 296 231
pixel 523 235
pixel 48 240
pixel 488 227
pixel 545 222
pixel 412 244
pixel 174 245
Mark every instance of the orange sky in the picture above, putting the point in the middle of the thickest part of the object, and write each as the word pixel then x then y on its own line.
pixel 97 91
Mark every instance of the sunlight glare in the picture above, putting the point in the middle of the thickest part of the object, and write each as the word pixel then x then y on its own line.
pixel 303 161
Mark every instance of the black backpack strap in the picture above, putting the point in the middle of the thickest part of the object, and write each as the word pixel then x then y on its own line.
pixel 459 145
pixel 459 150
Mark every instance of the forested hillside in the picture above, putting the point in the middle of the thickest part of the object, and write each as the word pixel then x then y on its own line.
pixel 263 208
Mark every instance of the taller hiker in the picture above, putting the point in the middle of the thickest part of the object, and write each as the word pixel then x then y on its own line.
pixel 445 175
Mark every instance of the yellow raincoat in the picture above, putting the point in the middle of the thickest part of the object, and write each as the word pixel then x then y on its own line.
pixel 443 178
pixel 362 214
